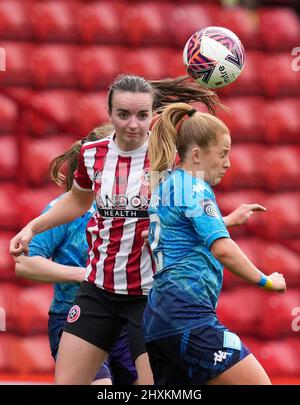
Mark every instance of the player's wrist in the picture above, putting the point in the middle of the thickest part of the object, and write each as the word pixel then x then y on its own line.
pixel 265 282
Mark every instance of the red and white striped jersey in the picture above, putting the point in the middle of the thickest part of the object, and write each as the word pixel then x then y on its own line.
pixel 119 261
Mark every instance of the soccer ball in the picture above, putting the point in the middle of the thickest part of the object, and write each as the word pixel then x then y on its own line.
pixel 214 57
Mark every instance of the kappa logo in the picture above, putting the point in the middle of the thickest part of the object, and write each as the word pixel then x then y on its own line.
pixel 74 314
pixel 220 356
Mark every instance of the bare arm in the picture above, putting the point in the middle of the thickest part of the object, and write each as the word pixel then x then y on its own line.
pixel 73 204
pixel 233 258
pixel 241 214
pixel 44 270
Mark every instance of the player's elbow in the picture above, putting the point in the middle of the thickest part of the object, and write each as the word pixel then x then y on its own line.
pixel 222 248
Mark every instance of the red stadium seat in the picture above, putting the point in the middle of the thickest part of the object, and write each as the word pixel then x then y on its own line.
pixel 41 152
pixel 54 112
pixel 8 359
pixel 276 311
pixel 184 21
pixel 17 57
pixel 245 170
pixel 54 20
pixel 281 168
pixel 9 159
pixel 96 66
pixel 102 22
pixel 293 244
pixel 282 218
pixel 53 66
pixel 9 206
pixel 249 82
pixel 278 78
pixel 279 129
pixel 33 201
pixel 89 112
pixel 34 303
pixel 149 62
pixel 8 114
pixel 243 119
pixel 286 36
pixel 243 22
pixel 10 304
pixel 14 19
pixel 145 23
pixel 235 312
pixel 33 355
pixel 7 264
pixel 278 357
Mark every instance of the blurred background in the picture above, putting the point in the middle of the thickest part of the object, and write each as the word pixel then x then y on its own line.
pixel 61 57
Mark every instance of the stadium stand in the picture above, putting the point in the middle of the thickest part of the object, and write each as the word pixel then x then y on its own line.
pixel 61 57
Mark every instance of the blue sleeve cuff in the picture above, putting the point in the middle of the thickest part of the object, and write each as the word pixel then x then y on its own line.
pixel 214 236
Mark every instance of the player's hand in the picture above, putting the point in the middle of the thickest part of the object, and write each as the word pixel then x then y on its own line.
pixel 19 243
pixel 278 283
pixel 241 214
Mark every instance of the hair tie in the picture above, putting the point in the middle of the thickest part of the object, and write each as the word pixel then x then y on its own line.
pixel 191 112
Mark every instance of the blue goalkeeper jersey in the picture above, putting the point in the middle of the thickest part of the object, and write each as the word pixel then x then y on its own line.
pixel 65 244
pixel 184 222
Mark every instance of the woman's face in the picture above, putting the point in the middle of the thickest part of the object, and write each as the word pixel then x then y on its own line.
pixel 212 161
pixel 131 116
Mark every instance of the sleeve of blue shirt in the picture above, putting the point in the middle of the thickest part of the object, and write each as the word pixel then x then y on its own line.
pixel 45 243
pixel 206 217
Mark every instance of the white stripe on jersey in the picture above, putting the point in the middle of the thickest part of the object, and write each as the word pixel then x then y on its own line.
pixel 93 236
pixel 146 271
pixel 104 235
pixel 108 174
pixel 89 161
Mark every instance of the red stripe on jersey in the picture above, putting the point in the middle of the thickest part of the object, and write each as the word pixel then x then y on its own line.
pixel 116 229
pixel 94 248
pixel 133 263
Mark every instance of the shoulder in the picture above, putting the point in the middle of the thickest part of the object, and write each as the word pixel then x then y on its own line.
pixel 101 143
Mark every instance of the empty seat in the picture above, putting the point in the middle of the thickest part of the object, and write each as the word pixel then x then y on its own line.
pixel 278 78
pixel 245 170
pixel 17 57
pixel 8 114
pixel 7 353
pixel 243 22
pixel 33 201
pixel 35 302
pixel 90 111
pixel 276 311
pixel 7 264
pixel 182 21
pixel 286 36
pixel 53 66
pixel 282 218
pixel 277 128
pixel 9 207
pixel 33 355
pixel 149 62
pixel 243 119
pixel 235 312
pixel 96 66
pixel 53 112
pixel 145 23
pixel 9 159
pixel 281 168
pixel 102 22
pixel 41 152
pixel 9 303
pixel 14 19
pixel 293 244
pixel 54 20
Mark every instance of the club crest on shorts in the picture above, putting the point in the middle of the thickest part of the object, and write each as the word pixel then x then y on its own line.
pixel 210 208
pixel 73 314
